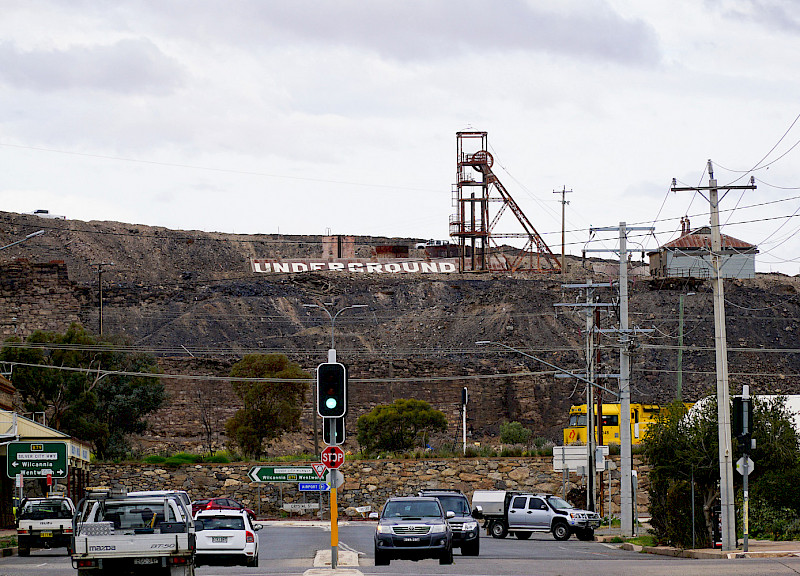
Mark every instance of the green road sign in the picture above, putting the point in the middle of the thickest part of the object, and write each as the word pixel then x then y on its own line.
pixel 37 459
pixel 310 473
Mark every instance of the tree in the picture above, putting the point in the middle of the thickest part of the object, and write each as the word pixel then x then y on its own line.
pixel 398 426
pixel 681 447
pixel 514 433
pixel 270 408
pixel 84 385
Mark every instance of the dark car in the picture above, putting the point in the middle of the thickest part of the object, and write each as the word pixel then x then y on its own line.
pixel 466 534
pixel 221 503
pixel 413 528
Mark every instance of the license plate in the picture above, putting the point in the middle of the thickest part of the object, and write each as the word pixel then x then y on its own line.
pixel 46 534
pixel 219 539
pixel 411 539
pixel 140 561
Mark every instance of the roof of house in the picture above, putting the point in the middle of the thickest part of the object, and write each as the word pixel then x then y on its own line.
pixel 701 239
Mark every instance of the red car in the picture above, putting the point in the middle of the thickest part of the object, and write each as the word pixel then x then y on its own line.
pixel 221 503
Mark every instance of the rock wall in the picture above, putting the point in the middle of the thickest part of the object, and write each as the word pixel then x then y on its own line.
pixel 367 482
pixel 36 297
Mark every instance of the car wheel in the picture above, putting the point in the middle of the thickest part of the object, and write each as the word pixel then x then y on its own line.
pixel 447 556
pixel 523 535
pixel 585 534
pixel 471 548
pixel 561 531
pixel 498 529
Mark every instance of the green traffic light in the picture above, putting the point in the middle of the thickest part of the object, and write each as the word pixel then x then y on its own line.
pixel 330 403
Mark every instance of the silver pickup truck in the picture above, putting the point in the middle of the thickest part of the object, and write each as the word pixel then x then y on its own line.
pixel 114 533
pixel 522 514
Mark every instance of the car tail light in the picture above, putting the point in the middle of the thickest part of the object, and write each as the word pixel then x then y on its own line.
pixel 87 563
pixel 175 560
pixel 250 538
pixel 22 531
pixel 67 530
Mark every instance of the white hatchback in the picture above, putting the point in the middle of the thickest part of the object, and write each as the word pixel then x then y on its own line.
pixel 228 538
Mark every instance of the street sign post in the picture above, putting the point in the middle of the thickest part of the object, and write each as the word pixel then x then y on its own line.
pixel 37 459
pixel 332 457
pixel 285 474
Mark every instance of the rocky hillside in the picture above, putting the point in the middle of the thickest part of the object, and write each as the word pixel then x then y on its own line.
pixel 190 298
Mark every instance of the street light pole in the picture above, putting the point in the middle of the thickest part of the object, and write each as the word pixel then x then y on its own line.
pixel 332 317
pixel 28 237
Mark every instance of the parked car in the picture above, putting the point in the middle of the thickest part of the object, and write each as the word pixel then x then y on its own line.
pixel 228 538
pixel 413 528
pixel 466 535
pixel 44 523
pixel 222 503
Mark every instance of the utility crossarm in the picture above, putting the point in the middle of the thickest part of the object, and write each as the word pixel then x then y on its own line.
pixel 603 285
pixel 585 304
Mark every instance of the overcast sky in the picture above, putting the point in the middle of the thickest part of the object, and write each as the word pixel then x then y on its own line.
pixel 262 116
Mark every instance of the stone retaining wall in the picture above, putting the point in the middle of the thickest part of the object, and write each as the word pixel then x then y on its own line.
pixel 367 482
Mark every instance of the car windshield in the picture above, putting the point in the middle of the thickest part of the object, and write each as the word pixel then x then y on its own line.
pixel 456 504
pixel 407 509
pixel 222 522
pixel 42 510
pixel 559 504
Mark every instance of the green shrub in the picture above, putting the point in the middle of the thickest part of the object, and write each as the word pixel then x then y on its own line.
pixel 154 459
pixel 218 458
pixel 514 433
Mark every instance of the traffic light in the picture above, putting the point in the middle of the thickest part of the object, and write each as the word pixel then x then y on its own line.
pixel 333 431
pixel 331 390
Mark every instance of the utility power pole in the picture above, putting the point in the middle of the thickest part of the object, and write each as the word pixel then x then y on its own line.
pixel 564 203
pixel 590 307
pixel 100 291
pixel 726 497
pixel 626 457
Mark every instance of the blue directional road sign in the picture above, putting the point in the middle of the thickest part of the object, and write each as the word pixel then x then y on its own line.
pixel 314 487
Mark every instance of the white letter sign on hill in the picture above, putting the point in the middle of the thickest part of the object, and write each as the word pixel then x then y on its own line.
pixel 275 266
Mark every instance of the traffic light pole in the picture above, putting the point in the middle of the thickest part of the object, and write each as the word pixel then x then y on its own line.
pixel 334 502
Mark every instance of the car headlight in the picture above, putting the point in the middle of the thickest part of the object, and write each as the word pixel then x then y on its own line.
pixel 384 529
pixel 438 527
pixel 470 526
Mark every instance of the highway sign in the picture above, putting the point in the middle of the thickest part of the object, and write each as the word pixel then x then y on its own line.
pixel 332 456
pixel 37 459
pixel 314 487
pixel 284 474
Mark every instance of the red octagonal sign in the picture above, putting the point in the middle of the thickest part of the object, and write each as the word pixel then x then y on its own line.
pixel 332 456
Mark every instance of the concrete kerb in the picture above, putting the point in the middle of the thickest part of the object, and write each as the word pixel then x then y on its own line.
pixel 710 553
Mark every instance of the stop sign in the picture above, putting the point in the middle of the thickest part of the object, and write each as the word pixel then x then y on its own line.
pixel 332 456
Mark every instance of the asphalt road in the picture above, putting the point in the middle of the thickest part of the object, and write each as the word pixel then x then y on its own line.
pixel 288 549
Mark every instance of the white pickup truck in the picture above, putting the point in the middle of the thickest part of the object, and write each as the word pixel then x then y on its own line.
pixel 119 534
pixel 44 523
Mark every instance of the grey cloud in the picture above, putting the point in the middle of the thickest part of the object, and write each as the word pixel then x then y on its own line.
pixel 127 66
pixel 783 15
pixel 414 30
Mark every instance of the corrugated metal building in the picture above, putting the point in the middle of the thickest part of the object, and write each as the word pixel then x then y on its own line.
pixel 689 256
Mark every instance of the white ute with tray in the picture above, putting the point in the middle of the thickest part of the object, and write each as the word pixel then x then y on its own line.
pixel 114 533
